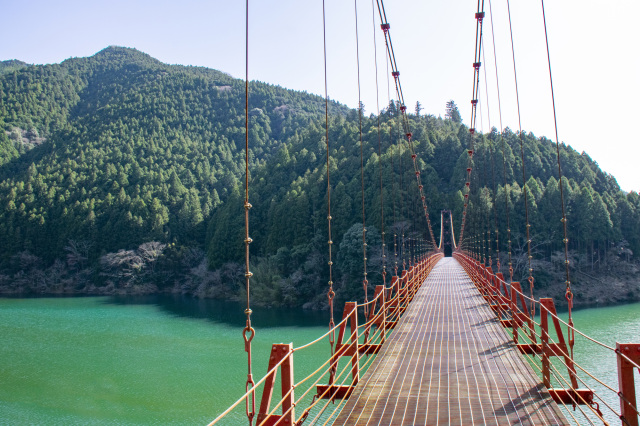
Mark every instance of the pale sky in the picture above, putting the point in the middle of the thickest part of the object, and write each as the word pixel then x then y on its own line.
pixel 593 44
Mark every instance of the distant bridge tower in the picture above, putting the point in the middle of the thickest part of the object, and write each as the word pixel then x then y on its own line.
pixel 447 238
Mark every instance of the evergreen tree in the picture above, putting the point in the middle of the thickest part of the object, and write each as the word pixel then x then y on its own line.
pixel 452 113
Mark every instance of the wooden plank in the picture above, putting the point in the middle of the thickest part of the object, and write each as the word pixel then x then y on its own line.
pixel 449 361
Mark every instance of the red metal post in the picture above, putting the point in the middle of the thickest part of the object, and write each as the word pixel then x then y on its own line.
pixel 626 382
pixel 278 353
pixel 544 325
pixel 353 341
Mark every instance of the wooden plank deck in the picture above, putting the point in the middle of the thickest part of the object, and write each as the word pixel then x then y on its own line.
pixel 449 362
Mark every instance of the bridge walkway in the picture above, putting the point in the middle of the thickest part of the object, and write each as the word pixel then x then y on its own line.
pixel 450 362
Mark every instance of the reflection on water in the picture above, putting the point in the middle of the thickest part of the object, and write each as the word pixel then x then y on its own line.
pixel 225 312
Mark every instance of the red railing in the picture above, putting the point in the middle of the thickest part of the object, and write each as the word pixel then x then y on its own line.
pixel 512 307
pixel 331 382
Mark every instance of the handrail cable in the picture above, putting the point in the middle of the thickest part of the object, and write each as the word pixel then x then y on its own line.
pixel 261 381
pixel 347 367
pixel 524 177
pixel 565 240
pixel 561 378
pixel 558 376
pixel 507 189
pixel 330 360
pixel 252 390
pixel 342 401
pixel 582 401
pixel 570 355
pixel 364 326
pixel 365 365
pixel 248 332
pixel 604 345
pixel 562 353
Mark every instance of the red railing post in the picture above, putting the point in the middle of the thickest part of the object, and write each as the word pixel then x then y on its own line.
pixel 353 342
pixel 515 286
pixel 382 324
pixel 544 326
pixel 626 382
pixel 278 353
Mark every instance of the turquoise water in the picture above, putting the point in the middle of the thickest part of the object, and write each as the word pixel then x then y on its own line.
pixel 178 361
pixel 607 325
pixel 99 361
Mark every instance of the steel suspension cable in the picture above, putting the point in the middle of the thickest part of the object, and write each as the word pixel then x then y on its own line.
pixel 524 178
pixel 483 158
pixel 493 174
pixel 474 102
pixel 393 177
pixel 486 228
pixel 409 135
pixel 507 190
pixel 565 240
pixel 365 282
pixel 402 211
pixel 248 332
pixel 382 233
pixel 330 292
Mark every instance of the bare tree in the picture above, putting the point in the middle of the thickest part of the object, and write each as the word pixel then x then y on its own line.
pixel 132 265
pixel 78 253
pixel 150 252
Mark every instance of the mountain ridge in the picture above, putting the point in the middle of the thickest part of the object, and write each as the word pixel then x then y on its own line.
pixel 136 151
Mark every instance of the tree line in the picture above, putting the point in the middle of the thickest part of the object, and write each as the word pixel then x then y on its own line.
pixel 102 155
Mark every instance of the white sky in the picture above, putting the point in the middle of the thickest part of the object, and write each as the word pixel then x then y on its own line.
pixel 594 55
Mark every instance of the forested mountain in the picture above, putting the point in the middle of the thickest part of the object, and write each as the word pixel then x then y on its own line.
pixel 119 173
pixel 11 65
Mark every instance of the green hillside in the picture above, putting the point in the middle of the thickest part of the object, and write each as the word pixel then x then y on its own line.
pixel 119 173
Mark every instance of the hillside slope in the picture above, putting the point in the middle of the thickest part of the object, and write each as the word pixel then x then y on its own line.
pixel 118 173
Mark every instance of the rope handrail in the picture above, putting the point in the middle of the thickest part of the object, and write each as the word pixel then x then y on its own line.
pixel 361 368
pixel 385 307
pixel 313 342
pixel 604 345
pixel 483 278
pixel 559 377
pixel 575 364
pixel 249 392
pixel 345 368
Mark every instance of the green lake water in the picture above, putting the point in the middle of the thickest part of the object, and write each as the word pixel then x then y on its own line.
pixel 161 360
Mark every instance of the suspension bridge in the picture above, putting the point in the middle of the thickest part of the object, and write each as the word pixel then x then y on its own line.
pixel 448 340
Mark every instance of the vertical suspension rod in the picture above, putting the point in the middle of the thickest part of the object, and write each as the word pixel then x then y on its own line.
pixel 524 178
pixel 365 282
pixel 248 333
pixel 503 144
pixel 375 57
pixel 565 240
pixel 330 292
